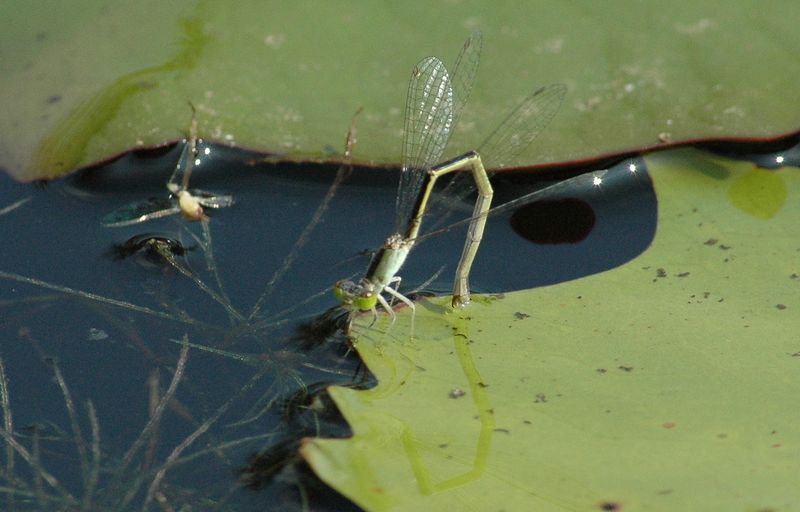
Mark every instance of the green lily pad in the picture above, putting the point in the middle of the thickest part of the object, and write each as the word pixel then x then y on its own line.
pixel 668 383
pixel 84 81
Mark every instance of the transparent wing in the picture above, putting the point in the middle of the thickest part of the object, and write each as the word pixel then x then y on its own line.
pixel 435 101
pixel 183 169
pixel 428 124
pixel 522 126
pixel 140 211
pixel 463 73
pixel 514 134
pixel 211 199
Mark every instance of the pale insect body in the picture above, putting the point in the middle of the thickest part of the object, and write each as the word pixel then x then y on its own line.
pixel 189 203
pixel 435 99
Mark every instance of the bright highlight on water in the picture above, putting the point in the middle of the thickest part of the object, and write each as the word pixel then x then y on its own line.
pixel 435 100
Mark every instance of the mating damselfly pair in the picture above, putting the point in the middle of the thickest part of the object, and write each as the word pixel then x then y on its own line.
pixel 434 103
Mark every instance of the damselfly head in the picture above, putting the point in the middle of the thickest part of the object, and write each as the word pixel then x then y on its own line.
pixel 359 295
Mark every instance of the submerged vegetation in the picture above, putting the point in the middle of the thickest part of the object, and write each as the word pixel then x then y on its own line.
pixel 169 394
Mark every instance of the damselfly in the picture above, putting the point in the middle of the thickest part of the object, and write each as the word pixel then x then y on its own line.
pixel 180 199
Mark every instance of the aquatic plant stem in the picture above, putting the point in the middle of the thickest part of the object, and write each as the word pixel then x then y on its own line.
pixel 155 418
pixel 77 435
pixel 202 429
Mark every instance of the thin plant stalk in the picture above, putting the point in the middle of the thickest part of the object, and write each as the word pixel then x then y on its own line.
pixel 97 298
pixel 155 418
pixel 77 435
pixel 343 172
pixel 202 429
pixel 94 472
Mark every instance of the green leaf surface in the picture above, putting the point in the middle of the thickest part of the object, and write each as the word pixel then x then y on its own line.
pixel 85 80
pixel 669 383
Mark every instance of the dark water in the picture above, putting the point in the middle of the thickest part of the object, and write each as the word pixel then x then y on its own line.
pixel 111 327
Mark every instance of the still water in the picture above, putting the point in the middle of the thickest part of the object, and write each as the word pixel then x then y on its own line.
pixel 95 319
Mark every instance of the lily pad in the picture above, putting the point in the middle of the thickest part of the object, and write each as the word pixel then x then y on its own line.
pixel 668 383
pixel 85 81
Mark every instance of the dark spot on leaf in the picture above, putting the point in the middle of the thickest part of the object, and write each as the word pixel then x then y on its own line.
pixel 541 398
pixel 610 506
pixel 711 241
pixel 456 393
pixel 601 370
pixel 683 274
pixel 521 316
pixel 724 247
pixel 562 221
pixel 625 368
pixel 780 306
pixel 668 425
pixel 661 272
pixel 503 430
pixel 54 99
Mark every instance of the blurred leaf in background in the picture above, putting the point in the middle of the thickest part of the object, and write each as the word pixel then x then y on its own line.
pixel 83 81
